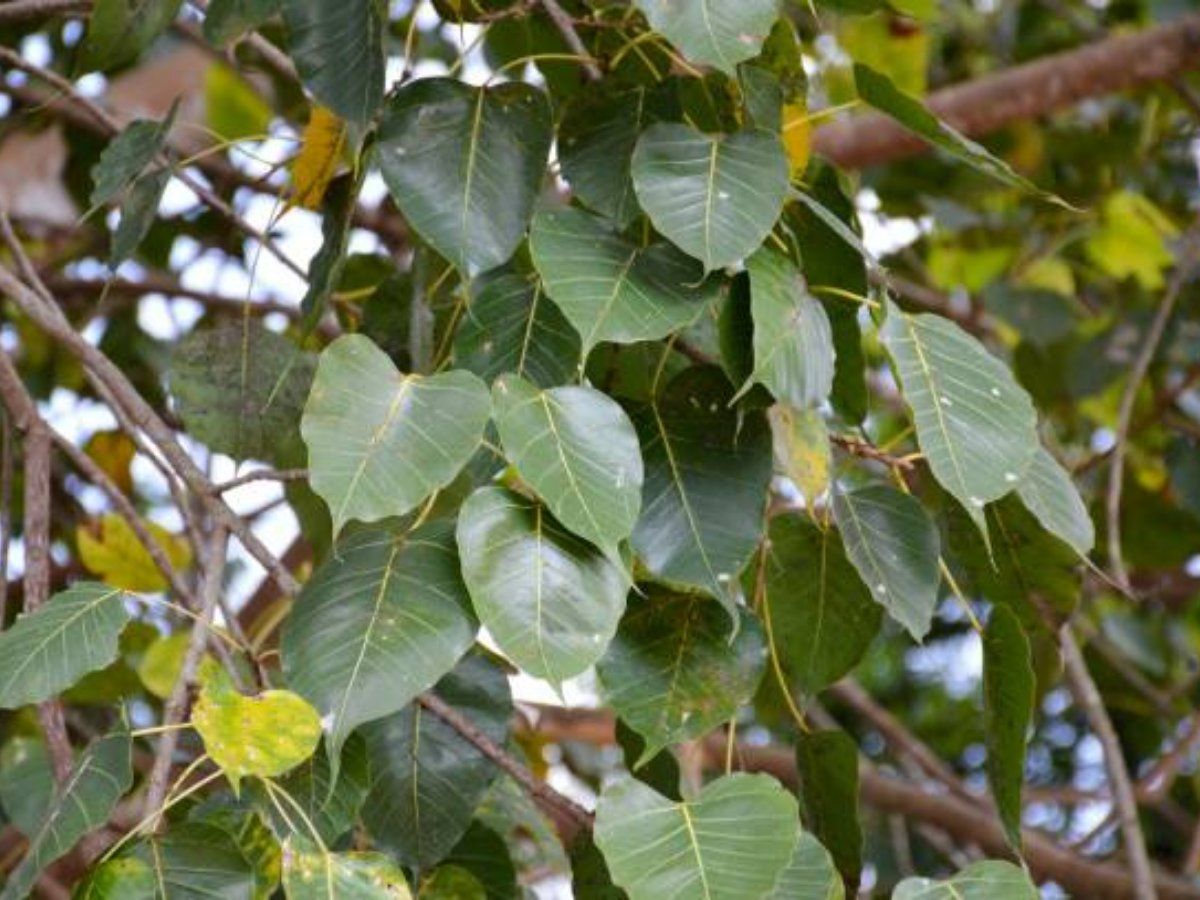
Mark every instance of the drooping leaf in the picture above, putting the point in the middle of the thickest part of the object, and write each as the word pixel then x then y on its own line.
pixel 712 32
pixel 550 600
pixel 1008 698
pixel 707 471
pixel 810 874
pixel 610 289
pixel 331 799
pixel 716 198
pixel 81 804
pixel 125 158
pixel 338 51
pixel 26 782
pixel 384 618
pixel 227 20
pixel 1048 492
pixel 730 843
pixel 578 451
pixel 827 763
pixel 464 164
pixel 138 209
pixel 325 270
pixel 894 545
pixel 793 343
pixel 512 326
pixel 975 425
pixel 311 873
pixel 426 779
pixel 46 651
pixel 110 549
pixel 320 152
pixel 672 672
pixel 264 735
pixel 380 442
pixel 987 880
pixel 240 388
pixel 800 439
pixel 822 616
pixel 119 30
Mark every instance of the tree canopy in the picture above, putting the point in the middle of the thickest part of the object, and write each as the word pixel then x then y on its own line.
pixel 483 449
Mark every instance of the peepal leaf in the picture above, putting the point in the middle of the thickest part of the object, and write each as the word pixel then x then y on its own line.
pixel 793 341
pixel 893 544
pixel 264 735
pixel 46 651
pixel 189 861
pixel 975 424
pixel 384 618
pixel 800 439
pixel 730 843
pixel 240 388
pixel 1008 698
pixel 810 874
pixel 26 782
pixel 1048 492
pixel 81 804
pixel 578 451
pixel 426 779
pixel 827 763
pixel 227 20
pixel 673 674
pixel 380 442
pixel 990 879
pixel 713 32
pixel 138 210
pixel 550 600
pixel 714 197
pixel 312 873
pixel 337 46
pixel 611 289
pixel 330 796
pixel 109 548
pixel 464 164
pixel 119 30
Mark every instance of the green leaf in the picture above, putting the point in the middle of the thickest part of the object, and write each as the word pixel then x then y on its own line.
pixel 338 49
pixel 708 467
pixel 483 853
pixel 227 20
pixel 827 763
pixel 511 326
pixel 119 30
pixel 550 600
pixel 578 451
pixel 193 861
pixel 465 164
pixel 800 440
pixel 810 874
pixel 590 878
pixel 426 779
pixel 730 843
pixel 384 618
pixel 822 616
pixel 894 545
pixel 987 880
pixel 672 672
pixel 138 210
pixel 661 771
pixel 46 651
pixel 312 873
pixel 325 270
pixel 451 883
pixel 380 442
pixel 80 805
pixel 1048 492
pixel 240 388
pixel 793 341
pixel 26 782
pixel 330 797
pixel 1008 698
pixel 880 92
pixel 713 32
pixel 251 838
pixel 611 289
pixel 264 735
pixel 975 425
pixel 121 878
pixel 714 197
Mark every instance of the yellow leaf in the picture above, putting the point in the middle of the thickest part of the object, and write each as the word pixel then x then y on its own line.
pixel 1132 239
pixel 797 136
pixel 264 735
pixel 320 151
pixel 801 443
pixel 113 452
pixel 1050 273
pixel 109 549
pixel 894 45
pixel 161 663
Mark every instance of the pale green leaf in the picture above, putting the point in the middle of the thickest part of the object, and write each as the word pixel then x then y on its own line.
pixel 1048 492
pixel 713 32
pixel 26 782
pixel 810 875
pixel 987 880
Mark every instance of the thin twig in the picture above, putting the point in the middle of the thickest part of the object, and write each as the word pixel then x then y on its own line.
pixel 261 475
pixel 566 28
pixel 6 521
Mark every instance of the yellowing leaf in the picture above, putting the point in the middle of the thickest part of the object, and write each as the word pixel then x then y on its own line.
pixel 952 266
pixel 1131 239
pixel 109 549
pixel 801 443
pixel 264 735
pixel 1050 273
pixel 797 136
pixel 160 665
pixel 113 452
pixel 897 47
pixel 324 138
pixel 235 111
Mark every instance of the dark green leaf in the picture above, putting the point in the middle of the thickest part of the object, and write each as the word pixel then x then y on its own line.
pixel 1008 697
pixel 337 46
pixel 138 210
pixel 590 878
pixel 325 270
pixel 661 771
pixel 227 20
pixel 119 30
pixel 827 763
pixel 484 853
pixel 196 861
pixel 331 806
pixel 125 158
pixel 451 883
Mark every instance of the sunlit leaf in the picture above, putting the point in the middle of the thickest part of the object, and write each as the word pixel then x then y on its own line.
pixel 110 549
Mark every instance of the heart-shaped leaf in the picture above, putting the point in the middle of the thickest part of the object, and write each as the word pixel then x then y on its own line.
pixel 713 32
pixel 110 549
pixel 550 600
pixel 730 843
pixel 577 449
pixel 264 735
pixel 380 442
pixel 672 673
pixel 464 165
pixel 314 873
pixel 716 198
pixel 611 289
